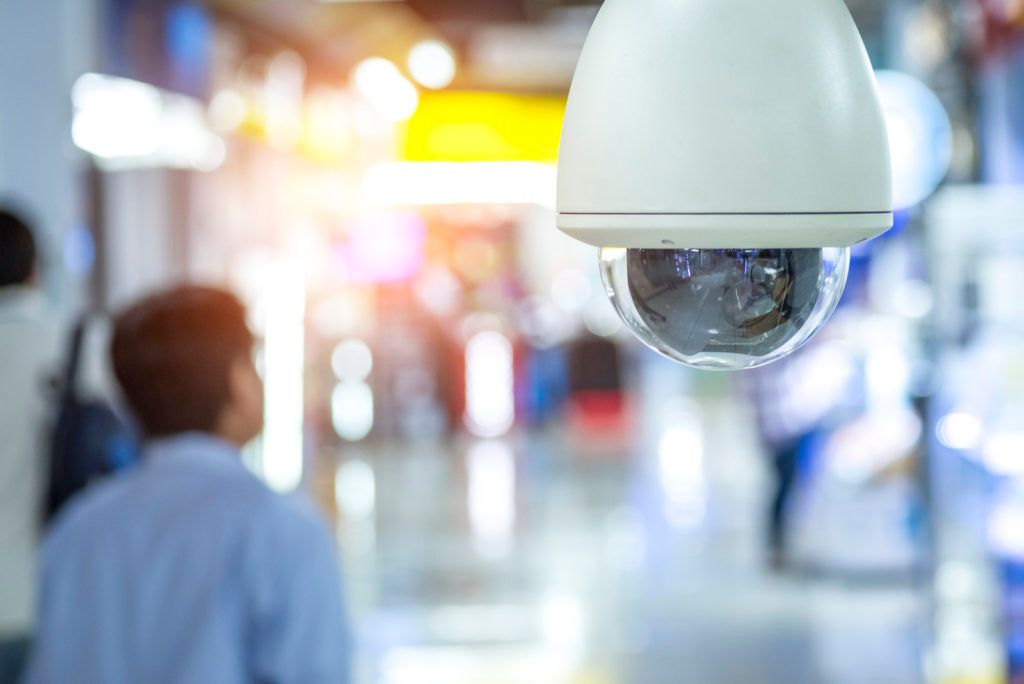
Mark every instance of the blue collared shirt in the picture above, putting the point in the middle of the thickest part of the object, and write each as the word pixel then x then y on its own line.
pixel 190 570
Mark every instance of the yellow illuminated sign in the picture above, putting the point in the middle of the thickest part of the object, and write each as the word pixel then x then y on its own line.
pixel 480 126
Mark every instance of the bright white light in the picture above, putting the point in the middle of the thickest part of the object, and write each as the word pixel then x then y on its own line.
pixel 283 98
pixel 920 137
pixel 959 431
pixel 480 624
pixel 355 490
pixel 387 91
pixel 888 375
pixel 116 117
pixel 681 472
pixel 284 343
pixel 414 665
pixel 125 124
pixel 912 298
pixel 514 661
pixel 384 246
pixel 1004 454
pixel 600 317
pixel 352 410
pixel 329 123
pixel 227 110
pixel 1005 527
pixel 957 581
pixel 432 64
pixel 492 496
pixel 490 399
pixel 185 140
pixel 210 154
pixel 453 183
pixel 563 622
pixel 352 360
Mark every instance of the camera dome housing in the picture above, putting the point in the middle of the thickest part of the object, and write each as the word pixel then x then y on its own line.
pixel 725 309
pixel 724 131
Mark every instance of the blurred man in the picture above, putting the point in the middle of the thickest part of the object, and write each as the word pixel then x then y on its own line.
pixel 29 350
pixel 188 569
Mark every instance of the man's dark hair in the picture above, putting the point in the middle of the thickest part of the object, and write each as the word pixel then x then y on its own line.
pixel 18 252
pixel 172 354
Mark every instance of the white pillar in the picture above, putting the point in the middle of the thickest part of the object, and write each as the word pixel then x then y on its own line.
pixel 44 46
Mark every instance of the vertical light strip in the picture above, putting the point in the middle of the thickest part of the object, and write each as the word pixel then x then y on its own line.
pixel 681 471
pixel 490 399
pixel 491 496
pixel 284 342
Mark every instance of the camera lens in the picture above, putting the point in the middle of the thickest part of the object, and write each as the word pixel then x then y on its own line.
pixel 725 309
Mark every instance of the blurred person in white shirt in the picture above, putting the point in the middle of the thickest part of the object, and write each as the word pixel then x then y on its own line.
pixel 30 348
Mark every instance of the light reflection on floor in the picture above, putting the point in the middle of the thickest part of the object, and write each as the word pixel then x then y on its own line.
pixel 524 561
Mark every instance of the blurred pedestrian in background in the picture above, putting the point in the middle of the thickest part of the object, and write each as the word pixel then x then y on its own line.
pixel 188 568
pixel 29 352
pixel 786 427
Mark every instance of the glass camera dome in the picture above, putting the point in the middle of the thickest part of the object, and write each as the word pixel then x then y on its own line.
pixel 725 309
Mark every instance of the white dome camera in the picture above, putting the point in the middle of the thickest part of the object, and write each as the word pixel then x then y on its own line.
pixel 725 155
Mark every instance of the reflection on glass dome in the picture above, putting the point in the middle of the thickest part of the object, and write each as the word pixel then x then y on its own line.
pixel 725 308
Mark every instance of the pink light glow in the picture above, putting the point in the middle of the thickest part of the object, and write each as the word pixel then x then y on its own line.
pixel 384 248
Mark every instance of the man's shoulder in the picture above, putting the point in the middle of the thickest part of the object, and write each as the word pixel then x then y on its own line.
pixel 266 513
pixel 288 535
pixel 90 508
pixel 269 507
pixel 292 514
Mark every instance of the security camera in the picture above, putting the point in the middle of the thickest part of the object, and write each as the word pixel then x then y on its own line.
pixel 724 155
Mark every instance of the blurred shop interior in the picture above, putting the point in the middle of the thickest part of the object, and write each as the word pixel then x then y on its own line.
pixel 522 491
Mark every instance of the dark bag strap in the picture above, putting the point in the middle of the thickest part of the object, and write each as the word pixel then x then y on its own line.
pixel 59 487
pixel 69 386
